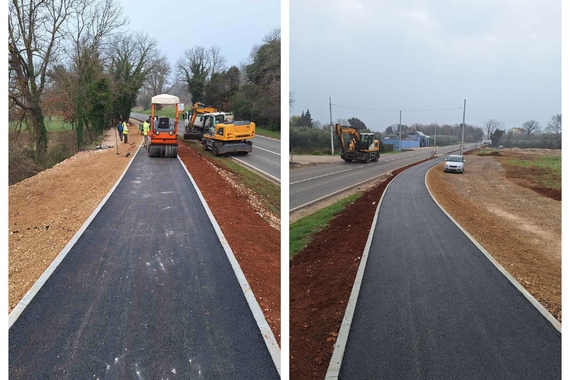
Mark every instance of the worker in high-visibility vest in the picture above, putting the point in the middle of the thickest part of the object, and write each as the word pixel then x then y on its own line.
pixel 125 131
pixel 146 128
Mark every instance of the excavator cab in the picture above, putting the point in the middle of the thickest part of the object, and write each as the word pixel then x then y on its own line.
pixel 366 140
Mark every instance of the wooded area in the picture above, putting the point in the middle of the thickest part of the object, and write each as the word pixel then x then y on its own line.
pixel 72 61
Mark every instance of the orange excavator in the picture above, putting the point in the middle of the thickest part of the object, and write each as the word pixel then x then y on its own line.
pixel 192 131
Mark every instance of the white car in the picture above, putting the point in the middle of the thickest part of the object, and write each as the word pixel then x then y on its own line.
pixel 454 163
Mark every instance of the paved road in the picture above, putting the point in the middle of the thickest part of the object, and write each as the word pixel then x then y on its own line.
pixel 147 292
pixel 265 158
pixel 432 306
pixel 308 185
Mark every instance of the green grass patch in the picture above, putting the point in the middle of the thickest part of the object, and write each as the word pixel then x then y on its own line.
pixel 166 111
pixel 267 133
pixel 542 170
pixel 302 231
pixel 268 192
pixel 56 124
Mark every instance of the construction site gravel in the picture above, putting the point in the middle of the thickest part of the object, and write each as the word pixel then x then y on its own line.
pixel 516 221
pixel 46 210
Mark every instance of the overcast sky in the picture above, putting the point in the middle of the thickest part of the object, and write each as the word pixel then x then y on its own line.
pixel 502 56
pixel 178 25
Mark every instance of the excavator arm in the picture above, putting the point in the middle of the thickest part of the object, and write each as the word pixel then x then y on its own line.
pixel 201 108
pixel 353 132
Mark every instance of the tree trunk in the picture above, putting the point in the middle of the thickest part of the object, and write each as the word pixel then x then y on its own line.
pixel 39 131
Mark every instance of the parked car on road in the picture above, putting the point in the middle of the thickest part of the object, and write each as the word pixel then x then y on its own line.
pixel 454 163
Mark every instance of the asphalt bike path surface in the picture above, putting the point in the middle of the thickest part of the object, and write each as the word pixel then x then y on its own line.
pixel 432 306
pixel 146 292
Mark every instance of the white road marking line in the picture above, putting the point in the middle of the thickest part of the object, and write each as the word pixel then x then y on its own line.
pixel 269 151
pixel 256 169
pixel 320 176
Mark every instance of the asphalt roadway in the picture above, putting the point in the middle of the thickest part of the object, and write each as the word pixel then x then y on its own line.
pixel 146 292
pixel 432 306
pixel 311 184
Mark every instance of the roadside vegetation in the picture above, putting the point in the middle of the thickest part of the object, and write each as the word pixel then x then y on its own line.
pixel 308 136
pixel 77 66
pixel 302 231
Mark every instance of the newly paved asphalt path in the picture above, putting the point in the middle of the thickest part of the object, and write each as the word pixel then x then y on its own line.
pixel 432 306
pixel 147 292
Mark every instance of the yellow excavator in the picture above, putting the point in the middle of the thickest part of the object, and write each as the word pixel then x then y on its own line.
pixel 218 131
pixel 362 147
pixel 192 131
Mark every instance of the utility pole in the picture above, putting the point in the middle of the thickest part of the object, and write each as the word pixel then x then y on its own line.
pixel 435 138
pixel 332 141
pixel 463 128
pixel 400 129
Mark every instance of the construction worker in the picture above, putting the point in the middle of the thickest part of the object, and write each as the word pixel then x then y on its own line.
pixel 125 131
pixel 146 127
pixel 120 129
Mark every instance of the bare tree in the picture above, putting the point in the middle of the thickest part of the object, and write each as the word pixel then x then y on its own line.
pixel 217 61
pixel 93 23
pixel 35 30
pixel 133 58
pixel 555 127
pixel 491 125
pixel 193 68
pixel 158 80
pixel 197 66
pixel 530 127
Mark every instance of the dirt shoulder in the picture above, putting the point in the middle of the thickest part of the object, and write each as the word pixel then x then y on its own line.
pixel 517 225
pixel 46 210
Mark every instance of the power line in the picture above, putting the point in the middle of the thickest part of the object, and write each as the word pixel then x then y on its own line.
pixel 388 110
